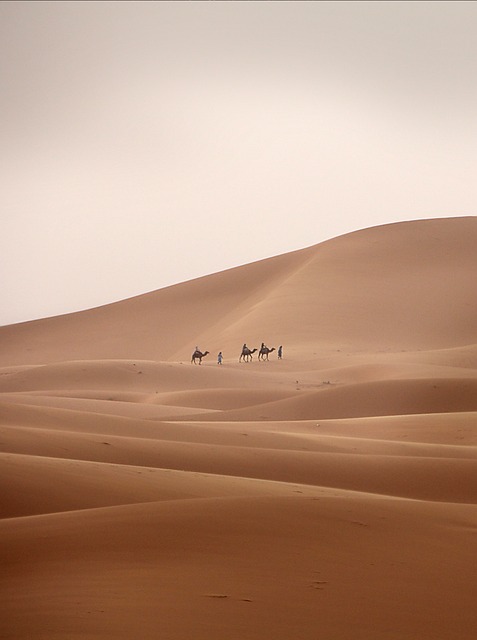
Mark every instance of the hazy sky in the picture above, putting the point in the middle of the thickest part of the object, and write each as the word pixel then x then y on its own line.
pixel 148 143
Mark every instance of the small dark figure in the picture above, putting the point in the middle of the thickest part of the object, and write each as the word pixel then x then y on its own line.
pixel 197 356
pixel 264 351
pixel 219 358
pixel 247 354
pixel 280 352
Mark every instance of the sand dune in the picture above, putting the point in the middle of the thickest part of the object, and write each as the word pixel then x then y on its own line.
pixel 217 568
pixel 384 398
pixel 401 286
pixel 332 493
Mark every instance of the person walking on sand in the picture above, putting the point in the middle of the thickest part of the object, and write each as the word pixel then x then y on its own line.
pixel 280 352
pixel 219 358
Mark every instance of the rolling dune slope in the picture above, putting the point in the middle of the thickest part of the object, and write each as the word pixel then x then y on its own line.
pixel 331 493
pixel 400 286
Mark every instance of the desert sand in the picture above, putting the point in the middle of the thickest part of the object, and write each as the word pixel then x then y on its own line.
pixel 328 494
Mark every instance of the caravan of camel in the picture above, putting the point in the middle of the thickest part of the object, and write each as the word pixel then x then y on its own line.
pixel 245 356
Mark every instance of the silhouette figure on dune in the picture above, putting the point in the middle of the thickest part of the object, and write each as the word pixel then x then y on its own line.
pixel 246 354
pixel 198 355
pixel 264 351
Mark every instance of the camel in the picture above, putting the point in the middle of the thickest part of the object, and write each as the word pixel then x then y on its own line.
pixel 264 351
pixel 198 355
pixel 246 354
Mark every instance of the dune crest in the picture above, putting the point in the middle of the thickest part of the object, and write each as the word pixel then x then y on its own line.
pixel 330 493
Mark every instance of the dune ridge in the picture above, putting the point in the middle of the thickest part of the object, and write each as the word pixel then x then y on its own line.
pixel 332 493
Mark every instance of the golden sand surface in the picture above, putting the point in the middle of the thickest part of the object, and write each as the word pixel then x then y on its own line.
pixel 328 494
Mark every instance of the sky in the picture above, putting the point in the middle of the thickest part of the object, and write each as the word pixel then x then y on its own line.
pixel 144 144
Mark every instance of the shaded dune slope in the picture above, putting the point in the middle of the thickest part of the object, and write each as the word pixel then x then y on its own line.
pixel 381 398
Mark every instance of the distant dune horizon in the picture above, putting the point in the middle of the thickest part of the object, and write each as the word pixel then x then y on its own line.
pixel 331 492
